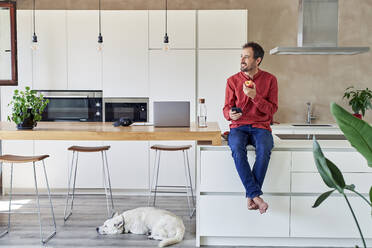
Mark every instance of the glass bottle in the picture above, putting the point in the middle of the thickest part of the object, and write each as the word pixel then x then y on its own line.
pixel 202 113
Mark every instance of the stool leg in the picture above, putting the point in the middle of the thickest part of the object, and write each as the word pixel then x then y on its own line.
pixel 51 206
pixel 188 183
pixel 69 186
pixel 153 178
pixel 107 183
pixel 38 204
pixel 157 178
pixel 10 200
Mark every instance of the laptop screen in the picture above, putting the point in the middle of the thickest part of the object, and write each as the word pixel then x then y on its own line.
pixel 171 114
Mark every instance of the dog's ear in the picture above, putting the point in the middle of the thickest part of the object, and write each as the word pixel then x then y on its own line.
pixel 115 214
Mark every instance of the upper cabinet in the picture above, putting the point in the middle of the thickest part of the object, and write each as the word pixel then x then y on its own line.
pixel 222 28
pixel 125 53
pixel 50 59
pixel 181 28
pixel 83 58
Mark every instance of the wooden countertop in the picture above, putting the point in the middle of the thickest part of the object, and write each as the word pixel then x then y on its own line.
pixel 105 131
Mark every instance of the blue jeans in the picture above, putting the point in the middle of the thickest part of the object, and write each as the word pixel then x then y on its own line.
pixel 262 140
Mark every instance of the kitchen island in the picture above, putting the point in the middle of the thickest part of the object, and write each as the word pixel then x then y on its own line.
pixel 291 186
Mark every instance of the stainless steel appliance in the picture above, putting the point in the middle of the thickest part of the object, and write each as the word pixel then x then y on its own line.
pixel 73 105
pixel 135 109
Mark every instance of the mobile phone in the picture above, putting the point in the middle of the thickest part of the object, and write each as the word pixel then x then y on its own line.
pixel 236 109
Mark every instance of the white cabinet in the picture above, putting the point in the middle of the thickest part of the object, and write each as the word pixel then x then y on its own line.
pixel 50 60
pixel 346 161
pixel 228 216
pixel 23 176
pixel 218 172
pixel 125 53
pixel 214 68
pixel 172 170
pixel 83 57
pixel 172 77
pixel 222 28
pixel 181 28
pixel 332 219
pixel 311 182
pixel 128 164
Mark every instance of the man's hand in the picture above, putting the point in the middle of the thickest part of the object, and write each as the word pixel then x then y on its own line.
pixel 234 115
pixel 250 92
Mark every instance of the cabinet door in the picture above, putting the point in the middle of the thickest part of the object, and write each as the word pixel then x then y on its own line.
pixel 58 164
pixel 228 216
pixel 172 78
pixel 332 219
pixel 181 28
pixel 83 57
pixel 23 176
pixel 50 60
pixel 125 53
pixel 218 172
pixel 222 28
pixel 128 163
pixel 346 161
pixel 214 67
pixel 172 170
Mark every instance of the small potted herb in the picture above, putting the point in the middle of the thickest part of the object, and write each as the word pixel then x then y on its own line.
pixel 359 100
pixel 27 108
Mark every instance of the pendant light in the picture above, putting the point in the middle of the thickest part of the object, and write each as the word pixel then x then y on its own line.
pixel 100 38
pixel 166 46
pixel 34 45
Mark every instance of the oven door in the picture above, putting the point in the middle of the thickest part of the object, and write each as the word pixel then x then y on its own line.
pixel 135 111
pixel 73 109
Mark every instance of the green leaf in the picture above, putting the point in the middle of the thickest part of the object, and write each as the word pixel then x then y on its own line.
pixel 350 187
pixel 358 132
pixel 321 165
pixel 336 174
pixel 321 198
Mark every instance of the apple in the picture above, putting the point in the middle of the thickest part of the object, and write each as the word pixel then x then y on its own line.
pixel 249 84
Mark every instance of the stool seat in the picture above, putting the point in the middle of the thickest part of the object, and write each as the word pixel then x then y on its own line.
pixel 21 159
pixel 170 148
pixel 88 148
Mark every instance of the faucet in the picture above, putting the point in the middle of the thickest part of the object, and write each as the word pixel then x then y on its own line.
pixel 309 115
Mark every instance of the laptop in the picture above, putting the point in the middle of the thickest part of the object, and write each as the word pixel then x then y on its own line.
pixel 171 114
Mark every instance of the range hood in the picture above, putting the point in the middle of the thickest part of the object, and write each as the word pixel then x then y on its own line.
pixel 318 30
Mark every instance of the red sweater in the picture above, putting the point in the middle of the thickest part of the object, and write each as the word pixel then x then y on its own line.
pixel 258 111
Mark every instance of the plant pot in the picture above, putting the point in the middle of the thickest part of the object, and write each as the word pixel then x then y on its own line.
pixel 28 123
pixel 358 116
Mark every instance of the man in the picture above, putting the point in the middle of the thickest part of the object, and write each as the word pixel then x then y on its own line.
pixel 258 103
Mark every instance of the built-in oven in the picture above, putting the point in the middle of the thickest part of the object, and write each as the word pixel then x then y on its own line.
pixel 135 109
pixel 73 105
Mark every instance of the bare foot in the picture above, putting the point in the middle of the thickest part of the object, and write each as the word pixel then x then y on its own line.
pixel 262 205
pixel 251 205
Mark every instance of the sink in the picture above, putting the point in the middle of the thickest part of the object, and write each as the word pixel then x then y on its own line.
pixel 311 125
pixel 310 136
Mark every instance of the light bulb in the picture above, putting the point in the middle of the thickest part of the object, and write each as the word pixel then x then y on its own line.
pixel 100 43
pixel 35 44
pixel 166 46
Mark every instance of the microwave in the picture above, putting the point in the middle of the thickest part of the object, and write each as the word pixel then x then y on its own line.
pixel 135 109
pixel 72 105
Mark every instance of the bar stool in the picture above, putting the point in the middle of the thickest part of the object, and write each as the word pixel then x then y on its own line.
pixel 105 170
pixel 13 159
pixel 188 183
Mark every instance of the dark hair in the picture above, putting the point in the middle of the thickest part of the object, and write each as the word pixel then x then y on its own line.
pixel 258 51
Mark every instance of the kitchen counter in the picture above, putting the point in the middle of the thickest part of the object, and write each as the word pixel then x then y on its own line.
pixel 105 131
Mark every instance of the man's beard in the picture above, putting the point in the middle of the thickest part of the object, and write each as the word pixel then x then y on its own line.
pixel 245 68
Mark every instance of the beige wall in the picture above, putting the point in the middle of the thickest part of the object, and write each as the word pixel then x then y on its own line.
pixel 316 78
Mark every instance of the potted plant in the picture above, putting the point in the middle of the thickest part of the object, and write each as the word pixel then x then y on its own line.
pixel 359 100
pixel 27 108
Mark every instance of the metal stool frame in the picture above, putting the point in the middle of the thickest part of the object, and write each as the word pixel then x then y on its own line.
pixel 43 241
pixel 188 185
pixel 106 182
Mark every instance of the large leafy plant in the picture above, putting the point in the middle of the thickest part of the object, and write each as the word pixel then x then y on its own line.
pixel 359 100
pixel 359 134
pixel 27 104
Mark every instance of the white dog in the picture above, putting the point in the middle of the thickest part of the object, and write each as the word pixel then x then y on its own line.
pixel 157 223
